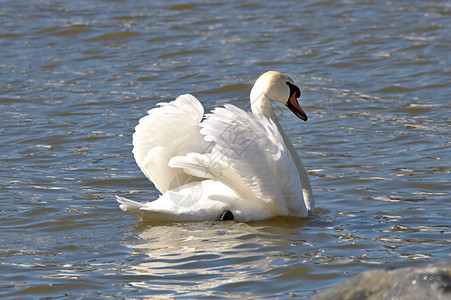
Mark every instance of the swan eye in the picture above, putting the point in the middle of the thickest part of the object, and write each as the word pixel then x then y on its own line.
pixel 294 90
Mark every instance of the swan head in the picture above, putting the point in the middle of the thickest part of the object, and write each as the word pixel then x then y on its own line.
pixel 276 87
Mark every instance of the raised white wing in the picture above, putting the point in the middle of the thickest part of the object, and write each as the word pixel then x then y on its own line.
pixel 249 156
pixel 169 130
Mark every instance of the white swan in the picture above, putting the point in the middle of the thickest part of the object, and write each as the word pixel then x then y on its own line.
pixel 232 165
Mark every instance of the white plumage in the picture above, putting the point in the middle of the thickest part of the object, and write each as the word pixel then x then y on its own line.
pixel 232 160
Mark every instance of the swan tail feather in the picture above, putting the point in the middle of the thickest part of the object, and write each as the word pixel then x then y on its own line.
pixel 127 204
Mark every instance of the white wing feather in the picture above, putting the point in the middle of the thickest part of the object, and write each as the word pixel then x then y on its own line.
pixel 169 130
pixel 250 157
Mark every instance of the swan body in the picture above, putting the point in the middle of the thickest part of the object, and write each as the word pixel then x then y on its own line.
pixel 231 161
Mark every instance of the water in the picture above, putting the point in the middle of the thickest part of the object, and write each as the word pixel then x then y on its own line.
pixel 77 75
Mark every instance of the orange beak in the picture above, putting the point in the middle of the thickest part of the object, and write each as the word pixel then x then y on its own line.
pixel 294 106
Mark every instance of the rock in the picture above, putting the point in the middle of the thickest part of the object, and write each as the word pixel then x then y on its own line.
pixel 430 282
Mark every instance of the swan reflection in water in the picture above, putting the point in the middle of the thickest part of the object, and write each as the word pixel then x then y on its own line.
pixel 207 257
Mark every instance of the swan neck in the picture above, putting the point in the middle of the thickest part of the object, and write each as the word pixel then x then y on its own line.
pixel 307 192
pixel 262 104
